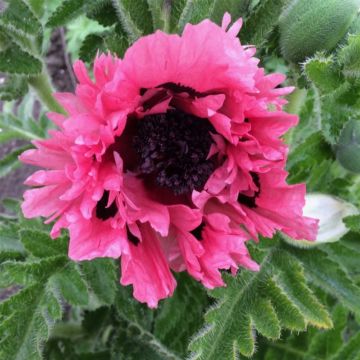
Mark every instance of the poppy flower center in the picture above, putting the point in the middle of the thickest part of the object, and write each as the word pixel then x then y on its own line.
pixel 173 148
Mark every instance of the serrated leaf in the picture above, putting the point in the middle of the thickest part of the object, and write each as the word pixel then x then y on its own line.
pixel 102 277
pixel 293 283
pixel 231 322
pixel 349 56
pixel 90 46
pixel 306 157
pixel 260 24
pixel 117 44
pixel 103 12
pixel 157 9
pixel 12 87
pixel 25 322
pixel 134 17
pixel 66 11
pixel 265 319
pixel 14 60
pixel 39 244
pixel 288 314
pixel 30 272
pixel 177 7
pixel 327 274
pixel 18 15
pixel 71 285
pixel 323 72
pixel 10 161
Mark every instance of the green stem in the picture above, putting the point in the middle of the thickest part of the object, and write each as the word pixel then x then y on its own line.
pixel 166 10
pixel 41 84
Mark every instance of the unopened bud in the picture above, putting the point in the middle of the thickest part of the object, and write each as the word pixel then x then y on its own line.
pixel 348 147
pixel 308 26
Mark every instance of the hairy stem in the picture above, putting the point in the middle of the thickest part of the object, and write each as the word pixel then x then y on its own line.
pixel 42 86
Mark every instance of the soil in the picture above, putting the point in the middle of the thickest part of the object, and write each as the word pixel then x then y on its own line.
pixel 59 68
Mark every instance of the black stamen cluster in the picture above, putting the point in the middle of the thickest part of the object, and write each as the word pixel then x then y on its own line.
pixel 173 148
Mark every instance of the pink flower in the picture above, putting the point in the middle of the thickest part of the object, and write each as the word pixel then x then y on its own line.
pixel 171 159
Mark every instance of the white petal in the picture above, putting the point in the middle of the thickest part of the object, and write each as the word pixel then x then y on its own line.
pixel 330 211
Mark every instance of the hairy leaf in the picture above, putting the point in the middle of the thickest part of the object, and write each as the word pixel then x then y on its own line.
pixel 66 11
pixel 232 320
pixel 14 60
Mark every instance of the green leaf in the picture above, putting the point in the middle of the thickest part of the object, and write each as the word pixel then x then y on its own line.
pixel 177 8
pixel 12 87
pixel 327 274
pixel 71 285
pixel 260 24
pixel 103 12
pixel 134 17
pixel 349 56
pixel 37 7
pixel 102 277
pixel 323 72
pixel 19 16
pixel 39 244
pixel 90 46
pixel 247 305
pixel 353 223
pixel 26 322
pixel 157 9
pixel 116 43
pixel 181 315
pixel 10 246
pixel 24 128
pixel 30 272
pixel 66 11
pixel 195 11
pixel 10 161
pixel 14 60
pixel 236 8
pixel 306 157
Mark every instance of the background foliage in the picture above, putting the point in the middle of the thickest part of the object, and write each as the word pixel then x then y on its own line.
pixel 304 304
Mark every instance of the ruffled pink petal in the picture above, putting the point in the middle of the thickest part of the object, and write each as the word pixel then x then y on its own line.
pixel 146 268
pixel 95 238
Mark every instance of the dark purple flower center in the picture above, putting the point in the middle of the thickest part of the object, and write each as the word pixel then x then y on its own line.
pixel 172 148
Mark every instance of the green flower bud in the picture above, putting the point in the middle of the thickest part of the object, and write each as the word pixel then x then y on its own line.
pixel 348 147
pixel 330 211
pixel 308 26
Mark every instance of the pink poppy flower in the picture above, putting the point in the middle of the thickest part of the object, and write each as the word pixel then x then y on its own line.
pixel 170 159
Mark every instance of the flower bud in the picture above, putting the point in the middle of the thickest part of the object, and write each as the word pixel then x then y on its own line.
pixel 330 211
pixel 308 26
pixel 348 148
